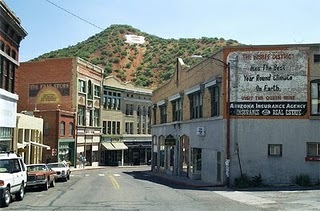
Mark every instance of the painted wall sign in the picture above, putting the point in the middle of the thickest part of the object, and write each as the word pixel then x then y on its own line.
pixel 64 88
pixel 268 83
pixel 48 95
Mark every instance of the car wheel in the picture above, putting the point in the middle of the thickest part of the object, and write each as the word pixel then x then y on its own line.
pixel 20 194
pixel 53 183
pixel 5 201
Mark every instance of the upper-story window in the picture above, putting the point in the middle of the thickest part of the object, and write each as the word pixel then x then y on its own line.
pixel 1 45
pixel 177 109
pixel 129 109
pixel 196 105
pixel 315 97
pixel 96 118
pixel 14 54
pixel 215 100
pixel 62 128
pixel 82 86
pixel 71 128
pixel 90 94
pixel 97 91
pixel 163 113
pixel 154 112
pixel 8 50
pixel 112 100
pixel 81 115
pixel 316 58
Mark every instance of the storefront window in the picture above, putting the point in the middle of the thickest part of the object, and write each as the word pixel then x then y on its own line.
pixel 196 160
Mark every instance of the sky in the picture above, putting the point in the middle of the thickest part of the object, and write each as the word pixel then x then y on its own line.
pixel 56 24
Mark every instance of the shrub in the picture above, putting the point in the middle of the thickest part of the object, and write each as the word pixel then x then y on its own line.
pixel 244 181
pixel 303 180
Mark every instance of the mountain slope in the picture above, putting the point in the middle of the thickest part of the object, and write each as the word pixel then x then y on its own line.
pixel 147 64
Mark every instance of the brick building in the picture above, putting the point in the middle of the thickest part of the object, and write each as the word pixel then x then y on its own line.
pixel 65 92
pixel 126 113
pixel 11 34
pixel 251 110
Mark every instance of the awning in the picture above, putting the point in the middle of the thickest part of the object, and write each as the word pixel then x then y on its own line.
pixel 114 145
pixel 108 146
pixel 39 144
pixel 119 145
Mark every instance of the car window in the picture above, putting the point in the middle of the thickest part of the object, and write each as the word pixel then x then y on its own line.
pixel 15 165
pixel 4 166
pixel 22 165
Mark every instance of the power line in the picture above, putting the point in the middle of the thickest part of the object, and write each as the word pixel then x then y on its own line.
pixel 77 16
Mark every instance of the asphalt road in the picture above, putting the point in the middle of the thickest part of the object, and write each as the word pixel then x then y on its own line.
pixel 113 188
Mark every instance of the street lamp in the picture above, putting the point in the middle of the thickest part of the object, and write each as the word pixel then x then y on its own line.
pixel 227 68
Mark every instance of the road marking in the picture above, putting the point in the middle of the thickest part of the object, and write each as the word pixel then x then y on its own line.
pixel 114 182
pixel 116 175
pixel 245 198
pixel 101 175
pixel 86 175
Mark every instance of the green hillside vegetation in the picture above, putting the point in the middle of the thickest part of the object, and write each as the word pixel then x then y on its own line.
pixel 147 64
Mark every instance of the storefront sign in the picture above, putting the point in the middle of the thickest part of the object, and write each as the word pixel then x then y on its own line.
pixel 268 83
pixel 170 142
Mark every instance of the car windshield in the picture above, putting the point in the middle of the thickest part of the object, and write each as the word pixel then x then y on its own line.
pixel 36 168
pixel 56 165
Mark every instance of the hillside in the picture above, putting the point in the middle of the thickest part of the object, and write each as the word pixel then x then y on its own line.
pixel 147 64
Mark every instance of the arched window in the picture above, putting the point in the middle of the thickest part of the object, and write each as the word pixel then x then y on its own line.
pixel 62 128
pixel 90 95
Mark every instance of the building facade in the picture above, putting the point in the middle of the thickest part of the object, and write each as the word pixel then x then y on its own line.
pixel 126 113
pixel 65 92
pixel 11 34
pixel 28 138
pixel 252 110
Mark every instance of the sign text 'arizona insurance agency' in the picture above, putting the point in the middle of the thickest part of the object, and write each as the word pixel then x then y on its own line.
pixel 268 83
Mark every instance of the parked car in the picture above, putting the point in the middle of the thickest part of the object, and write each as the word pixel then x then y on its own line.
pixel 62 170
pixel 40 175
pixel 13 177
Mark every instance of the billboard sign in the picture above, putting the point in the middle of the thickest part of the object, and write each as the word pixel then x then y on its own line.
pixel 268 83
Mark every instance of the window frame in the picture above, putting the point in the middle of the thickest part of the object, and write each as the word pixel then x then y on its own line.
pixel 273 151
pixel 215 92
pixel 315 97
pixel 196 105
pixel 62 128
pixel 163 113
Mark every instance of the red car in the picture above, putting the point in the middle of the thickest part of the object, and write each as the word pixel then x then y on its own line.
pixel 40 175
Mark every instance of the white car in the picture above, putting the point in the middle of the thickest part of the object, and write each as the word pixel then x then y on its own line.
pixel 62 170
pixel 13 177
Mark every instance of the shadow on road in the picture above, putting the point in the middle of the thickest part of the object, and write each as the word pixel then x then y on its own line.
pixel 168 180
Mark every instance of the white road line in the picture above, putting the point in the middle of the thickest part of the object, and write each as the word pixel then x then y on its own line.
pixel 86 175
pixel 116 175
pixel 245 198
pixel 101 175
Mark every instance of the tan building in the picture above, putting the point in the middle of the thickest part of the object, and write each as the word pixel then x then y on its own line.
pixel 28 138
pixel 126 134
pixel 11 34
pixel 246 110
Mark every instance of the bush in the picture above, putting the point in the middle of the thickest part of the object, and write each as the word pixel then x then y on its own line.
pixel 244 181
pixel 303 180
